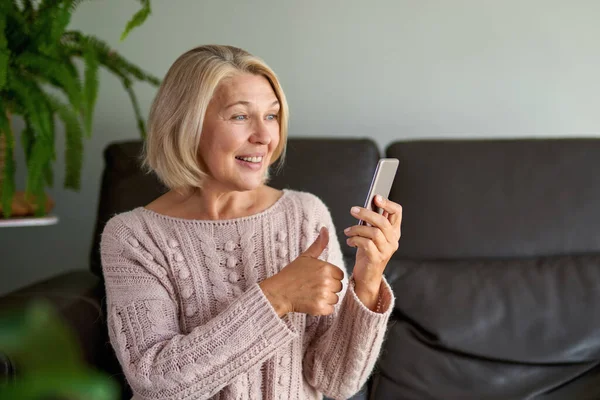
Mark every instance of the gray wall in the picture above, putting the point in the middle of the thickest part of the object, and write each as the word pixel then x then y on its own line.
pixel 384 69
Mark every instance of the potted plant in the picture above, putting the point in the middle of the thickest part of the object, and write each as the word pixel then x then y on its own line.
pixel 37 53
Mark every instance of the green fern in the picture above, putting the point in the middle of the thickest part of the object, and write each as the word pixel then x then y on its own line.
pixel 4 53
pixel 54 72
pixel 36 51
pixel 8 173
pixel 90 88
pixel 74 142
pixel 136 107
pixel 39 112
pixel 27 140
pixel 138 19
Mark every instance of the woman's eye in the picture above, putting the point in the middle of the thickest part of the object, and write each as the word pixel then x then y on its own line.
pixel 271 117
pixel 239 117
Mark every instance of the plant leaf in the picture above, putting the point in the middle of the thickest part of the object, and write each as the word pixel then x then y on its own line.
pixel 27 139
pixel 136 107
pixel 137 19
pixel 46 351
pixel 48 30
pixel 73 143
pixel 29 11
pixel 76 43
pixel 4 51
pixel 90 90
pixel 54 72
pixel 7 190
pixel 38 115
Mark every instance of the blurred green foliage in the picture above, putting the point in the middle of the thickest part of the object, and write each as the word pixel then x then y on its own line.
pixel 48 359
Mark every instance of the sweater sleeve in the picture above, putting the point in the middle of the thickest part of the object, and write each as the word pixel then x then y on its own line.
pixel 345 345
pixel 158 359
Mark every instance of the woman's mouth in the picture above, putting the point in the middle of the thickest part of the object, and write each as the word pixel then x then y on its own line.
pixel 253 163
pixel 255 160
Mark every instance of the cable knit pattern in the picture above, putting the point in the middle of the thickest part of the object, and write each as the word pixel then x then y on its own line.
pixel 248 257
pixel 188 320
pixel 215 273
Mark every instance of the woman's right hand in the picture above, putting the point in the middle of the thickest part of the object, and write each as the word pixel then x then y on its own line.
pixel 306 285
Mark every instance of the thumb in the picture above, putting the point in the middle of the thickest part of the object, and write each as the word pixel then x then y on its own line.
pixel 318 245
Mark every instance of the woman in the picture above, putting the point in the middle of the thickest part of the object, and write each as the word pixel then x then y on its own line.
pixel 224 287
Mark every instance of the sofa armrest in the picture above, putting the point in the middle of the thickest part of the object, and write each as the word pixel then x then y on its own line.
pixel 77 297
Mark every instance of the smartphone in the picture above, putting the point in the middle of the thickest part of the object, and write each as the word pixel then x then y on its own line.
pixel 383 178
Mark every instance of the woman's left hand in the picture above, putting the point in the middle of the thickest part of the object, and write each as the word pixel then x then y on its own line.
pixel 375 245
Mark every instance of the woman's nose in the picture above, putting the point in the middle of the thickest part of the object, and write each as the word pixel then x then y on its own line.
pixel 261 133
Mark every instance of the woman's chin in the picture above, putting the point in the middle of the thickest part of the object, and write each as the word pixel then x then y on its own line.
pixel 249 184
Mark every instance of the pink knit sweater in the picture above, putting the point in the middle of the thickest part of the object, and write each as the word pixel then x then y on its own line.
pixel 188 320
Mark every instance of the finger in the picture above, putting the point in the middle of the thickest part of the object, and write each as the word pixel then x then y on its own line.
pixel 393 209
pixel 320 243
pixel 365 244
pixel 373 233
pixel 369 216
pixel 332 298
pixel 336 286
pixel 394 217
pixel 332 285
pixel 391 232
pixel 326 309
pixel 336 273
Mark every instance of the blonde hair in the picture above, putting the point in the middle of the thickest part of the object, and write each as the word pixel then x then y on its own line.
pixel 178 111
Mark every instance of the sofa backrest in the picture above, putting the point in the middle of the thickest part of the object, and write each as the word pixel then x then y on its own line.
pixel 339 171
pixel 124 186
pixel 498 198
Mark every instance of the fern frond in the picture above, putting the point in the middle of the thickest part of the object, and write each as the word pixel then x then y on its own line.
pixel 48 30
pixel 17 27
pixel 37 114
pixel 31 102
pixel 74 4
pixel 28 10
pixel 48 174
pixel 77 42
pixel 35 174
pixel 138 18
pixel 4 52
pixel 90 88
pixel 74 142
pixel 136 107
pixel 54 72
pixel 27 140
pixel 7 190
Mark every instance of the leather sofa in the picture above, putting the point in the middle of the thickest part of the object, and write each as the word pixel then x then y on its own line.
pixel 497 278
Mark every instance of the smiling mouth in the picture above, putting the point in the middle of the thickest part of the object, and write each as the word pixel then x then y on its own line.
pixel 255 160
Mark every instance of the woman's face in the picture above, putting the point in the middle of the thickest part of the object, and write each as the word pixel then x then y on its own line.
pixel 240 132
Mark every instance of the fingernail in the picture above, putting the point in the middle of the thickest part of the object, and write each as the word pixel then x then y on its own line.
pixel 346 230
pixel 355 210
pixel 379 198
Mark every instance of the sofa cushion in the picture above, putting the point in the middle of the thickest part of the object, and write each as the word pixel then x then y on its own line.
pixel 468 328
pixel 498 198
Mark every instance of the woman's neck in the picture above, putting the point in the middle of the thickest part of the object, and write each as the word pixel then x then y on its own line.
pixel 210 204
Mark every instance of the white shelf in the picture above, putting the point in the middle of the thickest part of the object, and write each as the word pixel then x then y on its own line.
pixel 28 221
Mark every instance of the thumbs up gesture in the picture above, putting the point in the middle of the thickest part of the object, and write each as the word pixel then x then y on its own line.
pixel 306 285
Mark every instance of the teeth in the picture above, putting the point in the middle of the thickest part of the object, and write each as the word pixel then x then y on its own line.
pixel 251 159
